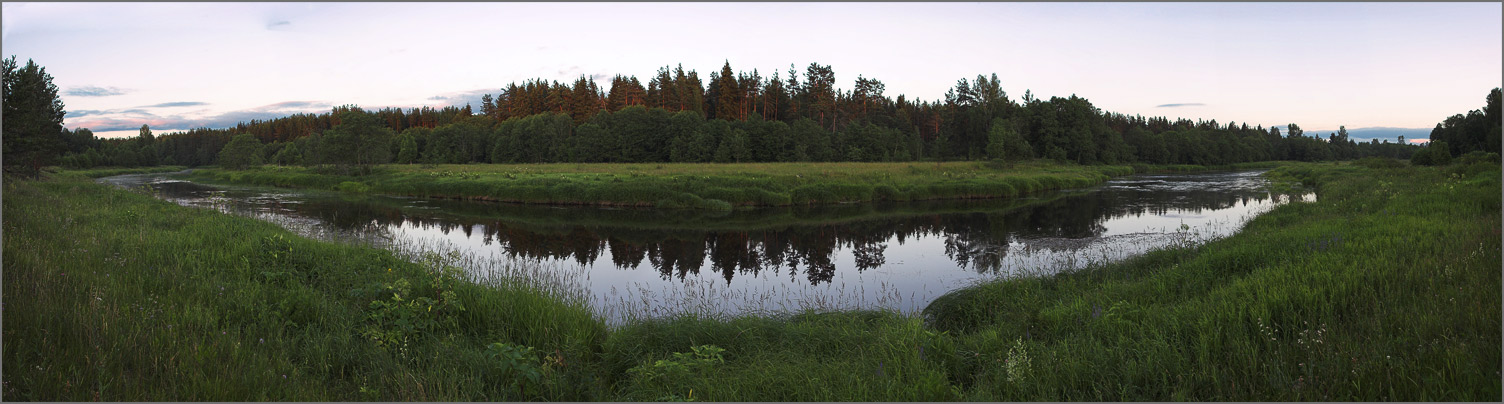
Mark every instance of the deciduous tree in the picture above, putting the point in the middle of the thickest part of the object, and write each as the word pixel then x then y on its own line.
pixel 244 150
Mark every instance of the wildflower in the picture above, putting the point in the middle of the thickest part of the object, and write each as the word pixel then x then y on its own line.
pixel 263 340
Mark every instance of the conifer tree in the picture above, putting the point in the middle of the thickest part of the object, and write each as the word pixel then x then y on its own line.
pixel 727 103
pixel 33 117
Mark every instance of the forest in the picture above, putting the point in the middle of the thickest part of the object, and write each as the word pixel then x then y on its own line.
pixel 749 117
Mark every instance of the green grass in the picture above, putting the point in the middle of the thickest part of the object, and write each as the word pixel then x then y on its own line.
pixel 109 171
pixel 696 186
pixel 1387 288
pixel 1188 168
pixel 115 295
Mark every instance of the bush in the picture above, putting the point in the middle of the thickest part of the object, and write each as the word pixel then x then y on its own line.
pixel 1478 156
pixel 1434 154
pixel 812 195
pixel 1379 162
pixel 681 201
pixel 887 193
pixel 354 187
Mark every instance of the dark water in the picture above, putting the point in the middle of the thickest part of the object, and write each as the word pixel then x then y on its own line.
pixel 891 255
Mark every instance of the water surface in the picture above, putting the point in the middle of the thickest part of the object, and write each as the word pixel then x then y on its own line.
pixel 646 262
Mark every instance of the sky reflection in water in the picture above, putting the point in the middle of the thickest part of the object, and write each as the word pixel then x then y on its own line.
pixel 878 255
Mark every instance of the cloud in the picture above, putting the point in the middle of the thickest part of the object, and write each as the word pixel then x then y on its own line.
pixel 128 119
pixel 287 105
pixel 107 124
pixel 86 112
pixel 263 113
pixel 176 104
pixel 1188 104
pixel 95 91
pixel 278 24
pixel 1382 133
pixel 461 98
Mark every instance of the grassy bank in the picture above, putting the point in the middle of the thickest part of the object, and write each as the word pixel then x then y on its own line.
pixel 701 186
pixel 110 171
pixel 115 295
pixel 1191 168
pixel 1388 288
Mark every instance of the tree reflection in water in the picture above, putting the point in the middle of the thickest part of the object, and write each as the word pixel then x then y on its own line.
pixel 803 241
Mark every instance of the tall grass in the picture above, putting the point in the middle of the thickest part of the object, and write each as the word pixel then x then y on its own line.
pixel 696 186
pixel 1386 288
pixel 114 295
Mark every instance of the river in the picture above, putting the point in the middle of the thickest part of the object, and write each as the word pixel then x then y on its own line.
pixel 643 262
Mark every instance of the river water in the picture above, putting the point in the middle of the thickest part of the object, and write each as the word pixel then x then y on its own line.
pixel 642 262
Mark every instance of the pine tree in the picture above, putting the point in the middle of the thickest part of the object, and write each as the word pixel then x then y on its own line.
pixel 727 103
pixel 819 84
pixel 33 117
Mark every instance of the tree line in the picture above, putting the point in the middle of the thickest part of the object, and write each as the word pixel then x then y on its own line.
pixel 1477 132
pixel 733 117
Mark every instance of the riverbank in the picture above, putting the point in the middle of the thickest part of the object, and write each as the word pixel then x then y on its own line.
pixel 1385 289
pixel 113 171
pixel 1192 168
pixel 687 185
pixel 118 296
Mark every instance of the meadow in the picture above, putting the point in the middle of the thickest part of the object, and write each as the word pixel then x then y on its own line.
pixel 1386 288
pixel 687 185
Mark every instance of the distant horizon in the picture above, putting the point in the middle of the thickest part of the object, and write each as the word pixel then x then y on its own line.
pixel 1320 65
pixel 1422 134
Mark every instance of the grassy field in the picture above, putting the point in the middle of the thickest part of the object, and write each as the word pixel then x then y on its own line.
pixel 1388 288
pixel 683 185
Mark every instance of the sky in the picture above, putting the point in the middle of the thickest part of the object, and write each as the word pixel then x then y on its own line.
pixel 175 66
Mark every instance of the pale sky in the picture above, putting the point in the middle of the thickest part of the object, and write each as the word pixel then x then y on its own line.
pixel 1320 65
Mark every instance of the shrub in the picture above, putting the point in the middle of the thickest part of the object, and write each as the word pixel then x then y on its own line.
pixel 354 187
pixel 1379 162
pixel 681 201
